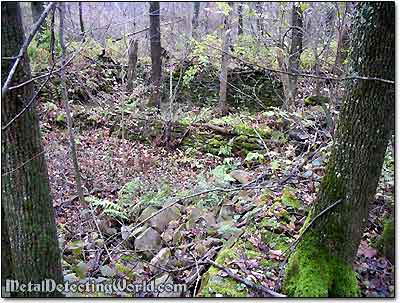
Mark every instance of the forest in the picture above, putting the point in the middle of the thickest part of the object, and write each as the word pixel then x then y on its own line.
pixel 198 149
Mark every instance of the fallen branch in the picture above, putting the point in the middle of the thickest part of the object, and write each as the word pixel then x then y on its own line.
pixel 259 288
pixel 24 48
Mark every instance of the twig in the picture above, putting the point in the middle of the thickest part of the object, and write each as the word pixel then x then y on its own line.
pixel 304 75
pixel 24 48
pixel 49 73
pixel 31 101
pixel 260 288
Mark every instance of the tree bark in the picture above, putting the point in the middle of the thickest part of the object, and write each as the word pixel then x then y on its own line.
pixel 223 77
pixel 321 264
pixel 240 19
pixel 155 45
pixel 37 8
pixel 296 48
pixel 132 61
pixel 195 19
pixel 81 24
pixel 29 235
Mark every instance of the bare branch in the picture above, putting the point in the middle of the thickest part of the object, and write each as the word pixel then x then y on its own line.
pixel 24 48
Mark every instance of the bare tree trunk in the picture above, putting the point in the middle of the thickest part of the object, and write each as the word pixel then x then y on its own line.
pixel 30 249
pixel 296 48
pixel 132 61
pixel 240 19
pixel 223 77
pixel 260 20
pixel 37 9
pixel 195 19
pixel 342 38
pixel 155 44
pixel 81 25
pixel 321 263
pixel 72 145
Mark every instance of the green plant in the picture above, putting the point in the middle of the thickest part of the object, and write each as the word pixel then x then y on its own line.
pixel 108 208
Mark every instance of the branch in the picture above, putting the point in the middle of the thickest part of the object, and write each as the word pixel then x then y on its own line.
pixel 304 75
pixel 31 101
pixel 260 288
pixel 24 47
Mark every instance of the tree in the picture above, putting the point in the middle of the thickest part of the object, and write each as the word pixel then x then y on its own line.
pixel 195 19
pixel 37 8
pixel 30 249
pixel 321 263
pixel 240 19
pixel 81 24
pixel 223 77
pixel 155 45
pixel 132 61
pixel 296 48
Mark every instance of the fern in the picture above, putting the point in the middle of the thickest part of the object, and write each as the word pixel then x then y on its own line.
pixel 108 208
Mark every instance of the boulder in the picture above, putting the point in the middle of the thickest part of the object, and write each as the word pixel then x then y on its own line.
pixel 161 221
pixel 161 259
pixel 149 242
pixel 147 212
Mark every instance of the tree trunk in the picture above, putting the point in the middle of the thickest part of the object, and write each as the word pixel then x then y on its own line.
pixel 240 19
pixel 195 19
pixel 68 115
pixel 155 45
pixel 260 20
pixel 37 9
pixel 321 263
pixel 81 25
pixel 29 235
pixel 342 42
pixel 296 48
pixel 223 77
pixel 132 61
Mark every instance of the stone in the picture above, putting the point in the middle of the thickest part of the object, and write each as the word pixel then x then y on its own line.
pixel 149 242
pixel 166 279
pixel 161 259
pixel 147 212
pixel 176 238
pixel 226 212
pixel 241 176
pixel 160 222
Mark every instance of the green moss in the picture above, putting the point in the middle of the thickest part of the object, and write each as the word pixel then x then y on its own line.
pixel 386 241
pixel 275 241
pixel 313 272
pixel 213 284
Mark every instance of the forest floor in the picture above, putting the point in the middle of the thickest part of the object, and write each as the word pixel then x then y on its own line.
pixel 126 172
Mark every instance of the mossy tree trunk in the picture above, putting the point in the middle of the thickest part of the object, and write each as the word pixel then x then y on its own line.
pixel 30 249
pixel 321 263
